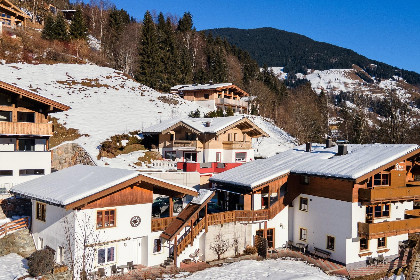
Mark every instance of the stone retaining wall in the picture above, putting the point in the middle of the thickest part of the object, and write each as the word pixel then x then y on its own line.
pixel 70 154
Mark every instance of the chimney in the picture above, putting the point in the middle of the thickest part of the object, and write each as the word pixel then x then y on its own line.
pixel 308 147
pixel 328 142
pixel 208 123
pixel 342 149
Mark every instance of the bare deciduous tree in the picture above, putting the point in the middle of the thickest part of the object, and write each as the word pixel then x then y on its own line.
pixel 219 245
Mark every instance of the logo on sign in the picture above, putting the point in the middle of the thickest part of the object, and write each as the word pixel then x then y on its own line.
pixel 399 167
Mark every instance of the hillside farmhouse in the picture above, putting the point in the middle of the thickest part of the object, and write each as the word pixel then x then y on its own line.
pixel 11 16
pixel 24 134
pixel 215 96
pixel 206 143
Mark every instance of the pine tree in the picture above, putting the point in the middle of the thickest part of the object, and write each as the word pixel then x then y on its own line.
pixel 78 28
pixel 150 65
pixel 60 28
pixel 48 32
pixel 185 23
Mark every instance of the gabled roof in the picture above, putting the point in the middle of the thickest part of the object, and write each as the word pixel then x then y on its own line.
pixel 69 186
pixel 205 125
pixel 359 162
pixel 57 106
pixel 216 87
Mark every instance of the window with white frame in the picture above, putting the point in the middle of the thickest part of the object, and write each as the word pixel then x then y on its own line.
pixel 218 156
pixel 157 246
pixel 303 204
pixel 241 157
pixel 171 155
pixel 106 255
pixel 303 234
pixel 382 242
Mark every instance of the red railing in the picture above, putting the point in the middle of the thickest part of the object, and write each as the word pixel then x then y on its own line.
pixel 211 167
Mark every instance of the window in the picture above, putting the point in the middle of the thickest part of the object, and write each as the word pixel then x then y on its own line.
pixel 206 96
pixel 41 243
pixel 5 116
pixel 106 255
pixel 330 242
pixel 171 155
pixel 26 117
pixel 26 172
pixel 382 242
pixel 241 157
pixel 157 246
pixel 218 157
pixel 377 211
pixel 60 254
pixel 303 204
pixel 6 173
pixel 303 234
pixel 26 145
pixel 105 218
pixel 304 179
pixel 40 211
pixel 190 157
pixel 381 179
pixel 270 236
pixel 235 137
pixel 229 136
pixel 364 244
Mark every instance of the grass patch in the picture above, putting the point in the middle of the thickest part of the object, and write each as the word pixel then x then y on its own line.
pixel 148 157
pixel 120 144
pixel 62 134
pixel 169 100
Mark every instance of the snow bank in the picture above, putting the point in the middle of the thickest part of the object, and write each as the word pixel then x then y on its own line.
pixel 268 269
pixel 12 266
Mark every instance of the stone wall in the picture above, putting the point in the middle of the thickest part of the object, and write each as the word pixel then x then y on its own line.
pixel 70 154
pixel 19 242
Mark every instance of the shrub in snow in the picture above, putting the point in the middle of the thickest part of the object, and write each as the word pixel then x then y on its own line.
pixel 250 250
pixel 261 244
pixel 41 262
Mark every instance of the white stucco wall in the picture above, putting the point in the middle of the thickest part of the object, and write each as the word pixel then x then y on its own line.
pixel 23 160
pixel 229 155
pixel 324 217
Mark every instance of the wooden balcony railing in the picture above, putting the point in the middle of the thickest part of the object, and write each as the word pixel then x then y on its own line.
pixel 384 194
pixel 190 236
pixel 14 225
pixel 237 145
pixel 184 143
pixel 385 229
pixel 159 224
pixel 232 102
pixel 21 128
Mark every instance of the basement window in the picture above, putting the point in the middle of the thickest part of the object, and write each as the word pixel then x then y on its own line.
pixel 303 234
pixel 330 242
pixel 6 173
pixel 27 172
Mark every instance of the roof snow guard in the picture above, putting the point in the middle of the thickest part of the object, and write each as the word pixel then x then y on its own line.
pixel 75 186
pixel 31 95
pixel 360 162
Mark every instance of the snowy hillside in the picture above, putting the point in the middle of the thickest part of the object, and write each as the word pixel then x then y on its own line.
pixel 104 103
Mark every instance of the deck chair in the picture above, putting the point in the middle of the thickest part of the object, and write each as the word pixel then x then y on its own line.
pixel 370 261
pixel 381 259
pixel 130 265
pixel 101 272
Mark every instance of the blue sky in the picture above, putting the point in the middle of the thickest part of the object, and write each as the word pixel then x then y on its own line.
pixel 388 31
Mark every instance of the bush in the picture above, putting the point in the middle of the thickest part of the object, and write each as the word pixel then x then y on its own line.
pixel 250 250
pixel 41 262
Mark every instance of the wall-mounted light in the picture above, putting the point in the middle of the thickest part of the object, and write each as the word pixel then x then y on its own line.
pixel 281 225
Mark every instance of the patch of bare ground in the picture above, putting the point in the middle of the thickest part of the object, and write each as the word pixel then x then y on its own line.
pixel 62 134
pixel 120 144
pixel 148 157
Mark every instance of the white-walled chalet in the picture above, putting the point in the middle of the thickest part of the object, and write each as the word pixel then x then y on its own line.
pixel 24 135
pixel 108 209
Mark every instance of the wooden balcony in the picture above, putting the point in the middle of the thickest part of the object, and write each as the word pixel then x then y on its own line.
pixel 184 144
pixel 385 194
pixel 237 145
pixel 231 102
pixel 21 128
pixel 159 224
pixel 386 229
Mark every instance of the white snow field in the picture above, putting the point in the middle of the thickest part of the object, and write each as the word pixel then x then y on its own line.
pixel 104 102
pixel 12 266
pixel 256 270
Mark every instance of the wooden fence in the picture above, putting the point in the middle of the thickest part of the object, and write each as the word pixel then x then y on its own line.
pixel 159 224
pixel 14 225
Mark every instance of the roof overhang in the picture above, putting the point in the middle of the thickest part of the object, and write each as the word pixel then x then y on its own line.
pixel 54 105
pixel 247 126
pixel 136 180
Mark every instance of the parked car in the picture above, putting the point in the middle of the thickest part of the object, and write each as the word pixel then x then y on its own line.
pixel 160 206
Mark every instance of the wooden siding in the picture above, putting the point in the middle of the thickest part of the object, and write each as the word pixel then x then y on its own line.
pixel 128 196
pixel 237 145
pixel 21 128
pixel 385 229
pixel 159 224
pixel 385 194
pixel 338 189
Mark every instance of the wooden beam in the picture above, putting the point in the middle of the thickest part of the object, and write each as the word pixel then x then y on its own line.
pixel 207 221
pixel 175 250
pixel 171 207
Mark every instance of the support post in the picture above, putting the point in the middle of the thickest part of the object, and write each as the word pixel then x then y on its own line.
pixel 265 230
pixel 191 232
pixel 175 251
pixel 171 207
pixel 206 221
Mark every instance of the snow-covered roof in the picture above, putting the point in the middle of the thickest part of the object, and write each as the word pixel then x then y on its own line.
pixel 321 161
pixel 203 195
pixel 199 124
pixel 199 86
pixel 77 182
pixel 169 182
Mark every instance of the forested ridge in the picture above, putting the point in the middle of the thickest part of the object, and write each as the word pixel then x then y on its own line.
pixel 298 53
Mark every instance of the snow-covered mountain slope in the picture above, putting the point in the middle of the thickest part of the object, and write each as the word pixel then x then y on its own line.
pixel 104 103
